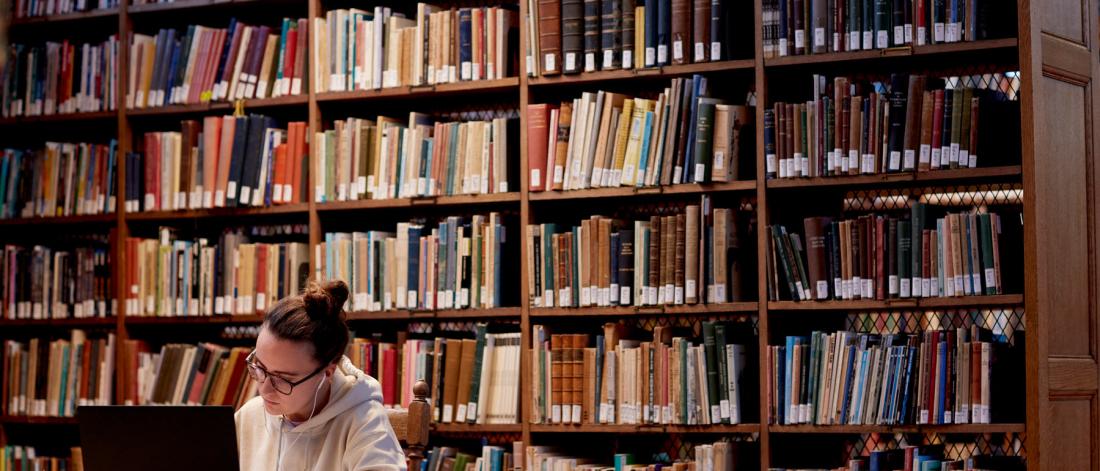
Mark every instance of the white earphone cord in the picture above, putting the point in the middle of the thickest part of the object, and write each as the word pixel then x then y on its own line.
pixel 313 410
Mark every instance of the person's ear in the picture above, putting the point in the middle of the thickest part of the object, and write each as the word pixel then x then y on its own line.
pixel 330 370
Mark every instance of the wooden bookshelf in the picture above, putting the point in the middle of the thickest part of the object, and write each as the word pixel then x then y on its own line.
pixel 663 72
pixel 862 429
pixel 1057 174
pixel 975 48
pixel 36 420
pixel 981 174
pixel 626 192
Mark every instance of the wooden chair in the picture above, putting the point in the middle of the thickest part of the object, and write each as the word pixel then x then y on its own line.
pixel 411 426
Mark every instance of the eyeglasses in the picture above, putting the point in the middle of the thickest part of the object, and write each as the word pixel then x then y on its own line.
pixel 281 385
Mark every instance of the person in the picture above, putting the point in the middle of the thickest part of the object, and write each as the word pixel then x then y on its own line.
pixel 315 410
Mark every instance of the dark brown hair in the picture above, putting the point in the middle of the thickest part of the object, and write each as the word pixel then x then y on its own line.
pixel 316 316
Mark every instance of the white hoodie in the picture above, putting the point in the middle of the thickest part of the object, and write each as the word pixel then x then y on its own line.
pixel 351 433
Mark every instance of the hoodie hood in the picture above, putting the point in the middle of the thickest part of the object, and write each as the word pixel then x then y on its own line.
pixel 350 388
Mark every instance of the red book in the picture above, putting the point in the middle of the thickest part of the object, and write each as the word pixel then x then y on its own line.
pixel 288 59
pixel 389 383
pixel 933 354
pixel 937 127
pixel 261 278
pixel 538 122
pixel 298 150
pixel 85 365
pixel 234 380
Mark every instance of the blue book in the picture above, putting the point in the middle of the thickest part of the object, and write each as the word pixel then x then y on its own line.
pixel 864 362
pixel 599 374
pixel 170 79
pixel 643 161
pixel 5 162
pixel 623 460
pixel 548 267
pixel 413 284
pixel 425 177
pixel 911 360
pixel 783 34
pixel 279 55
pixel 698 89
pixel 158 57
pixel 664 30
pixel 112 159
pixel 941 381
pixel 788 401
pixel 616 246
pixel 465 49
pixel 650 26
pixel 230 32
pixel 849 375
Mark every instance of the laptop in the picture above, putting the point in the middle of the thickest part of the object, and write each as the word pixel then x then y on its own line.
pixel 167 438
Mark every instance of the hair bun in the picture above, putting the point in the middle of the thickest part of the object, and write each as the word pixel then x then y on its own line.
pixel 325 300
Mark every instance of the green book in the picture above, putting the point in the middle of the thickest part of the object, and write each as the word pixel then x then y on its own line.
pixel 704 139
pixel 683 382
pixel 989 271
pixel 710 349
pixel 956 126
pixel 723 375
pixel 330 166
pixel 475 383
pixel 904 249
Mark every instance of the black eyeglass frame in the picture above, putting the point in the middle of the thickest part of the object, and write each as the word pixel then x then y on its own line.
pixel 252 366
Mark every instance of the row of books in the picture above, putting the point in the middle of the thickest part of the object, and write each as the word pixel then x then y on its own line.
pixel 717 456
pixel 693 257
pixel 40 282
pixel 26 458
pixel 61 179
pixel 927 458
pixel 797 27
pixel 44 377
pixel 608 139
pixel 60 77
pixel 669 380
pixel 915 124
pixel 33 8
pixel 493 458
pixel 459 264
pixel 385 158
pixel 573 36
pixel 365 49
pixel 933 377
pixel 202 64
pixel 880 257
pixel 183 374
pixel 221 162
pixel 472 380
pixel 241 274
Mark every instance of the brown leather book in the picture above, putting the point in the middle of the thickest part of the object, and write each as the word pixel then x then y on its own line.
pixel 680 247
pixel 924 154
pixel 572 36
pixel 700 45
pixel 720 249
pixel 855 135
pixel 451 371
pixel 557 377
pixel 815 255
pixel 681 31
pixel 550 37
pixel 584 268
pixel 555 175
pixel 914 103
pixel 576 377
pixel 692 241
pixel 668 256
pixel 588 404
pixel 655 259
pixel 604 261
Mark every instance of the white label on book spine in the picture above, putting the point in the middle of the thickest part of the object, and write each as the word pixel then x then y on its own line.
pixel 576 413
pixel 550 64
pixel 937 32
pixel 868 40
pixel 605 296
pixel 715 51
pixel 819 37
pixel 690 286
pixel 589 62
pixel 700 173
pixel 650 56
pixel 570 61
pixel 799 38
pixel 964 158
pixel 893 284
pixel 899 35
pixel 678 295
pixel 926 287
pixel 853 41
pixel 150 201
pixel 952 32
pixel 770 162
pixel 719 292
pixel 608 58
pixel 536 177
pixel 910 158
pixel 460 413
pixel 922 35
pixel 529 63
pixel 677 50
pixel 605 413
pixel 448 411
pixel 882 39
pixel 471 411
pixel 990 278
pixel 954 158
pixel 853 160
pixel 700 52
pixel 624 295
pixel 895 160
pixel 613 294
pixel 724 409
pixel 925 154
pixel 715 414
pixel 905 288
pixel 628 59
pixel 908 34
pixel 924 416
pixel 821 291
pixel 783 47
pixel 565 298
pixel 411 302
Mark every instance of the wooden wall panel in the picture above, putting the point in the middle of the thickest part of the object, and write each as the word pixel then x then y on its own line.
pixel 1062 208
pixel 1065 18
pixel 1058 66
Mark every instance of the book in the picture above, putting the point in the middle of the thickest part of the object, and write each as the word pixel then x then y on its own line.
pixel 52 78
pixel 70 281
pixel 44 377
pixel 59 179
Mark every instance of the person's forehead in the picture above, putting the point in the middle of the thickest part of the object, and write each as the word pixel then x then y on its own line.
pixel 282 356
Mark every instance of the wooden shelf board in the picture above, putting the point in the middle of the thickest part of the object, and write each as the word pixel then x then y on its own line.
pixel 859 429
pixel 744 307
pixel 219 106
pixel 404 314
pixel 58 118
pixel 865 180
pixel 186 320
pixel 928 50
pixel 60 220
pixel 888 304
pixel 285 209
pixel 72 322
pixel 624 192
pixel 36 420
pixel 494 198
pixel 185 5
pixel 480 86
pixel 64 18
pixel 647 428
pixel 667 71
pixel 476 428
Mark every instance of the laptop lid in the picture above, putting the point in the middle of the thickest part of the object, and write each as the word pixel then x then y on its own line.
pixel 167 438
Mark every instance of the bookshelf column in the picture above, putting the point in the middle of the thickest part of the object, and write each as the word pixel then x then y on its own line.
pixel 1058 63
